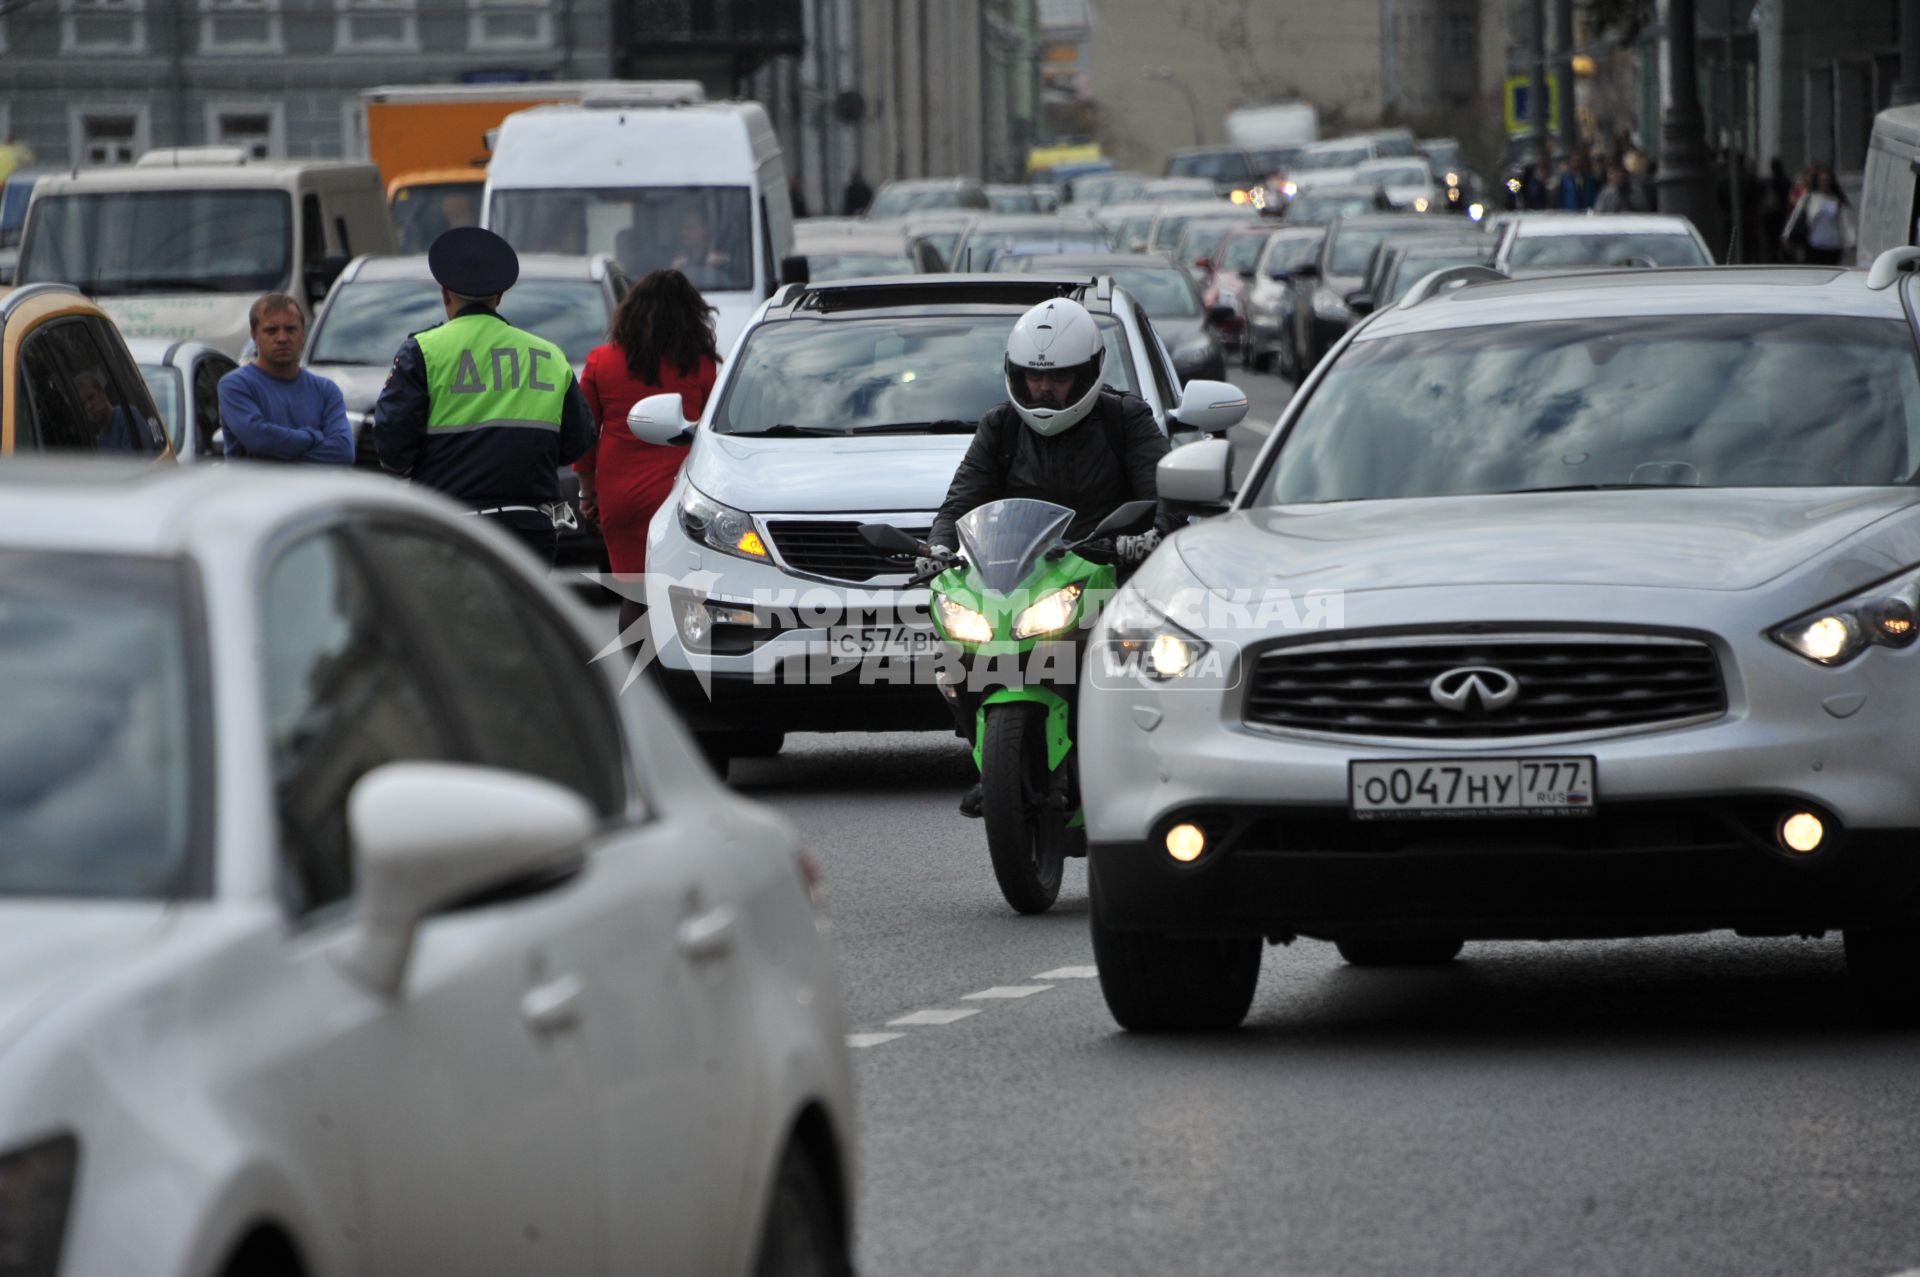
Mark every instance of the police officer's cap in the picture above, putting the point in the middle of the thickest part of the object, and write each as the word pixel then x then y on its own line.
pixel 473 262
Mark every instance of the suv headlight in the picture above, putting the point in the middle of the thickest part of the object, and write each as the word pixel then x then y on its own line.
pixel 720 527
pixel 36 1189
pixel 1050 614
pixel 1879 616
pixel 1140 637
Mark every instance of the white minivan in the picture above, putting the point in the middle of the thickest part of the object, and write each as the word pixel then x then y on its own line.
pixel 697 186
pixel 181 243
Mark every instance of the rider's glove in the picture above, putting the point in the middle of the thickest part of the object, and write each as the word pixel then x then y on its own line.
pixel 936 560
pixel 1131 550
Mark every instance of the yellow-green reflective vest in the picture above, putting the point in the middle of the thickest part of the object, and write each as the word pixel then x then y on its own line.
pixel 482 372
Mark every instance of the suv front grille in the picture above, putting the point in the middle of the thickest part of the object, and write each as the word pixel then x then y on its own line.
pixel 1566 685
pixel 833 548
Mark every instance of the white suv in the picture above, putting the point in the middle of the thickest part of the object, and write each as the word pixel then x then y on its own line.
pixel 843 404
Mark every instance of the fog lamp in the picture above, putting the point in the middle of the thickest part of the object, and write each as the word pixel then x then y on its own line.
pixel 1185 843
pixel 1802 832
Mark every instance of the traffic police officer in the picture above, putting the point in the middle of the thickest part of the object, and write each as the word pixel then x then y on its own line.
pixel 478 409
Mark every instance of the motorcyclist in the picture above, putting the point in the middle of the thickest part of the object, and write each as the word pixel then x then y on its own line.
pixel 1063 436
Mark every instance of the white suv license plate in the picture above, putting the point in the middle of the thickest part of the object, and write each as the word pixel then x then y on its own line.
pixel 856 641
pixel 1435 788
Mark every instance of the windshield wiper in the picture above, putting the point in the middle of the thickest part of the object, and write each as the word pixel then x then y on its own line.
pixel 948 427
pixel 786 430
pixel 1590 487
pixel 167 283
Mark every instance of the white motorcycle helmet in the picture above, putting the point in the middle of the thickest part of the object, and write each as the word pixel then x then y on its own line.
pixel 1054 336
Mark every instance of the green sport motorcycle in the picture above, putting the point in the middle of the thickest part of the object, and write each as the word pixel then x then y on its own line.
pixel 1014 611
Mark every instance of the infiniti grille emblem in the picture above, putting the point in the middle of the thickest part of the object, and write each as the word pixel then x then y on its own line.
pixel 1459 689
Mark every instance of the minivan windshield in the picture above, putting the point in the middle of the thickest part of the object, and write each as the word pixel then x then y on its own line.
pixel 903 374
pixel 1690 400
pixel 367 321
pixel 704 232
pixel 161 241
pixel 97 757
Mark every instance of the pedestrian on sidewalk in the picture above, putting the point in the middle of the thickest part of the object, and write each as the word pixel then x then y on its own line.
pixel 272 409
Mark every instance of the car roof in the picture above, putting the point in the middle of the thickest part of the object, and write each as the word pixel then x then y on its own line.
pixel 168 350
pixel 938 293
pixel 1367 220
pixel 126 507
pixel 894 245
pixel 1099 262
pixel 413 267
pixel 1604 224
pixel 1625 294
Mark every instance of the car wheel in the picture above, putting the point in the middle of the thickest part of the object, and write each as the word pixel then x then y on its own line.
pixel 1417 951
pixel 1881 964
pixel 801 1237
pixel 1168 984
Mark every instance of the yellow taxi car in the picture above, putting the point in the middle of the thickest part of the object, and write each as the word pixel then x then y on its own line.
pixel 67 383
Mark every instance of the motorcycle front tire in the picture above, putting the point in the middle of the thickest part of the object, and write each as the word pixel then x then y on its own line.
pixel 1026 839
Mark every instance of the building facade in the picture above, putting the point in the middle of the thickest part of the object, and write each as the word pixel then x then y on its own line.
pixel 87 82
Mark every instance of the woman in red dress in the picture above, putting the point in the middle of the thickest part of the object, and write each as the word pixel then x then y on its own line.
pixel 659 343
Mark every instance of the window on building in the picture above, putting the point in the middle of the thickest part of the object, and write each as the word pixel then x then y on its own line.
pixel 108 135
pixel 238 26
pixel 377 24
pixel 255 126
pixel 511 24
pixel 88 26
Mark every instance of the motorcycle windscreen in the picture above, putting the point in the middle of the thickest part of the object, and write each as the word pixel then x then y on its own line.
pixel 1004 539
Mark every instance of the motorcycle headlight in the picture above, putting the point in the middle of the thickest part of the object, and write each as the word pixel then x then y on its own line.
pixel 720 527
pixel 962 624
pixel 1328 304
pixel 1882 616
pixel 1139 637
pixel 1050 614
pixel 36 1189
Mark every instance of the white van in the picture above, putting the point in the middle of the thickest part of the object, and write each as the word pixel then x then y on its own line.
pixel 181 243
pixel 700 187
pixel 1890 195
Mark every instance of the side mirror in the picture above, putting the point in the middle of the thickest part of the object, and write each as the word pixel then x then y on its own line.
pixel 1129 517
pixel 659 419
pixel 794 270
pixel 1247 273
pixel 429 836
pixel 1281 276
pixel 1210 407
pixel 884 536
pixel 1307 270
pixel 1199 475
pixel 320 276
pixel 1360 301
pixel 1221 314
pixel 1203 263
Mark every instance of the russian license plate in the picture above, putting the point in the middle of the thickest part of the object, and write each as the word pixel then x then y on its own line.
pixel 857 641
pixel 1414 789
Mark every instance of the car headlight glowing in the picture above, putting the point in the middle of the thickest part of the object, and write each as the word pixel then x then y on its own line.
pixel 962 623
pixel 1051 614
pixel 36 1190
pixel 1476 211
pixel 1421 204
pixel 1883 616
pixel 720 527
pixel 1290 190
pixel 1141 638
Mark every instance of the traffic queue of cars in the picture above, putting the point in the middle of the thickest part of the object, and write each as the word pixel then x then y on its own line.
pixel 356 902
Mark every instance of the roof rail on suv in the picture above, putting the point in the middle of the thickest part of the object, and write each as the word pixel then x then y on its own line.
pixel 912 290
pixel 1450 277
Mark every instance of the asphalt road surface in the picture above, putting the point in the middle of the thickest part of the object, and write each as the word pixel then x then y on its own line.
pixel 1701 1105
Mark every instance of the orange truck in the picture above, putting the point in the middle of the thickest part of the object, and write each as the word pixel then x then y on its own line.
pixel 431 141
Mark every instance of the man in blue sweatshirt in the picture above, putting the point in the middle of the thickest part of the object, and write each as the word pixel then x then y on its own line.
pixel 273 409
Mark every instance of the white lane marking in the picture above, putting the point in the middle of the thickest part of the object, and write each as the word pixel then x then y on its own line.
pixel 861 1041
pixel 1006 991
pixel 932 1017
pixel 1070 973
